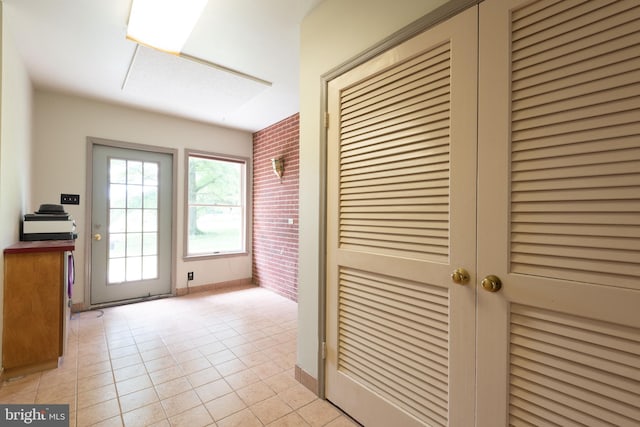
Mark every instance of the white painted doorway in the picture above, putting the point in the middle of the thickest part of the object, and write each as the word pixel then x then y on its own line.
pixel 550 314
pixel 401 213
pixel 559 213
pixel 131 224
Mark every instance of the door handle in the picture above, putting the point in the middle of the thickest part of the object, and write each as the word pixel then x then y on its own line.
pixel 491 283
pixel 97 236
pixel 460 276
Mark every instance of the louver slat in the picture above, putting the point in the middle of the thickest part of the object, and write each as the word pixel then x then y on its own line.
pixel 412 68
pixel 575 180
pixel 532 39
pixel 393 337
pixel 565 366
pixel 578 241
pixel 550 81
pixel 401 323
pixel 433 231
pixel 352 333
pixel 400 108
pixel 394 159
pixel 396 154
pixel 528 27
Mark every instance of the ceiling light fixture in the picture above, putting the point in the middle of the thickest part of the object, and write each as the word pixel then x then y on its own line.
pixel 164 24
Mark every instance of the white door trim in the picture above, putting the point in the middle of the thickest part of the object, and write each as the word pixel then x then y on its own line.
pixel 91 142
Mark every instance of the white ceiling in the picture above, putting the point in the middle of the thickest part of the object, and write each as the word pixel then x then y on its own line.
pixel 79 46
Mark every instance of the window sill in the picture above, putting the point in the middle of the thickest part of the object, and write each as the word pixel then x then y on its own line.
pixel 214 256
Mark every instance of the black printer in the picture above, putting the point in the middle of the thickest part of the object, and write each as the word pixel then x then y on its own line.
pixel 49 222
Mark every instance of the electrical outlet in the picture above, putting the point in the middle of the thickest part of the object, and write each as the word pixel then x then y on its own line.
pixel 69 199
pixel 190 275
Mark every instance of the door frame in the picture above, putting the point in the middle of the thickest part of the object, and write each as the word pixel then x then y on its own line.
pixel 422 24
pixel 91 142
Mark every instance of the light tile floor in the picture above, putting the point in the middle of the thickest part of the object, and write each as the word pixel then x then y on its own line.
pixel 207 359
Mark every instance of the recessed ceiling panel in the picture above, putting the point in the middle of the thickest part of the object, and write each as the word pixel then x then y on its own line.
pixel 80 47
pixel 189 83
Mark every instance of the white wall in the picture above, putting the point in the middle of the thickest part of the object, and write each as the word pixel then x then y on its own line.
pixel 62 124
pixel 15 145
pixel 334 32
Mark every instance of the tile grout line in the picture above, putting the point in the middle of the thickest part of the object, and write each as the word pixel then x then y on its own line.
pixel 77 368
pixel 253 338
pixel 113 376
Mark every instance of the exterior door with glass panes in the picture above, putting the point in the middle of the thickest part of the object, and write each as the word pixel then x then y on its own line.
pixel 131 224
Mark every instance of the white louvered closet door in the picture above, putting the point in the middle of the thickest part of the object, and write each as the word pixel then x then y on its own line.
pixel 401 217
pixel 559 213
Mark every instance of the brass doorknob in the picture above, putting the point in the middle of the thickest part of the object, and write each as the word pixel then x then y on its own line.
pixel 460 276
pixel 97 236
pixel 491 283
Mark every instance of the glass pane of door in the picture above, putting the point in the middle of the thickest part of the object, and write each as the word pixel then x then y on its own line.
pixel 133 220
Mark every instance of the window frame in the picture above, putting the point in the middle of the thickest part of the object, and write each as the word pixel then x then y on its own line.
pixel 245 179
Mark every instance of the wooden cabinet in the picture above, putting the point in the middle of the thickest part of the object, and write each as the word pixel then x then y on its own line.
pixel 34 306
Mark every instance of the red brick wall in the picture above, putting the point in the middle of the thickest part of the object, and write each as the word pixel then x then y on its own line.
pixel 275 202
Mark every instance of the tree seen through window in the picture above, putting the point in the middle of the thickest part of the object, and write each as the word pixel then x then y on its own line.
pixel 216 205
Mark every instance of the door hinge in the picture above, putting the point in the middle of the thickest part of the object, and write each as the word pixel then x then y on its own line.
pixel 326 120
pixel 323 350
